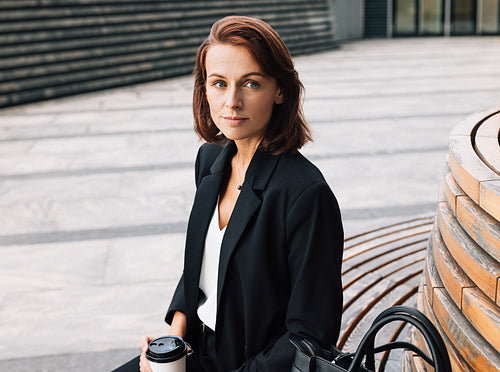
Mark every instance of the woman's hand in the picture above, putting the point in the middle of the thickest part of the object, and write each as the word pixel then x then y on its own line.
pixel 178 328
pixel 144 363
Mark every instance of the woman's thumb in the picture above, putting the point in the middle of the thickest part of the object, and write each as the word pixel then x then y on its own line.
pixel 144 343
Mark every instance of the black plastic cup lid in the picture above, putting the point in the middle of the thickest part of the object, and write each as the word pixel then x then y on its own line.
pixel 166 349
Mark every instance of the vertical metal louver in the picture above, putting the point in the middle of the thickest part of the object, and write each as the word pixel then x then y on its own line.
pixel 375 18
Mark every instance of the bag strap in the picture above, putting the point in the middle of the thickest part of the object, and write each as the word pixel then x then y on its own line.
pixel 440 359
pixel 437 340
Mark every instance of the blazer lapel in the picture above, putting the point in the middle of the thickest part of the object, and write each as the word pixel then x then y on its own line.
pixel 203 208
pixel 258 174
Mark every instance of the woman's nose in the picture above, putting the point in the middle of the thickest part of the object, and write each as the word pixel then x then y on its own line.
pixel 234 99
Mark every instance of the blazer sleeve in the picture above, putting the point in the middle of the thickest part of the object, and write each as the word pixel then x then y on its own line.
pixel 315 239
pixel 178 302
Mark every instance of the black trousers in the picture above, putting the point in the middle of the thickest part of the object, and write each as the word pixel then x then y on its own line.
pixel 202 360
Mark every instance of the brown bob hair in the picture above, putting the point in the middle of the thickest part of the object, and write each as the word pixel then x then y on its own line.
pixel 287 130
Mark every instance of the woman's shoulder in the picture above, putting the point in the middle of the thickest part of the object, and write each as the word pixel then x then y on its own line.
pixel 296 166
pixel 210 150
pixel 207 153
pixel 296 174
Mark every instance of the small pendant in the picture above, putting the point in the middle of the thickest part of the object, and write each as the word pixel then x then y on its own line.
pixel 238 187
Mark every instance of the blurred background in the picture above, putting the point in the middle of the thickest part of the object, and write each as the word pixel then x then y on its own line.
pixel 97 148
pixel 56 48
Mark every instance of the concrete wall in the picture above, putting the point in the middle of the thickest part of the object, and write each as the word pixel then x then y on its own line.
pixel 349 18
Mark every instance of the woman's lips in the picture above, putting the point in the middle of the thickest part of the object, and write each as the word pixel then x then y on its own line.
pixel 234 120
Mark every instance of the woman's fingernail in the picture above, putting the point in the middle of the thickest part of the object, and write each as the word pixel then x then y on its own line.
pixel 145 348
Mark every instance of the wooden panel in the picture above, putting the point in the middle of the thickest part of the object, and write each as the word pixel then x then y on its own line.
pixel 418 339
pixel 478 353
pixel 468 125
pixel 442 197
pixel 498 292
pixel 489 198
pixel 452 275
pixel 451 187
pixel 483 314
pixel 432 278
pixel 479 225
pixel 421 365
pixel 490 127
pixel 428 288
pixel 452 190
pixel 456 361
pixel 488 150
pixel 479 266
pixel 467 168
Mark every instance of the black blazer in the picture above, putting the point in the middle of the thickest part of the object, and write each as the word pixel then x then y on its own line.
pixel 280 260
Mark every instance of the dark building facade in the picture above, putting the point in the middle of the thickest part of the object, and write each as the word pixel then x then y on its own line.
pixel 393 18
pixel 57 48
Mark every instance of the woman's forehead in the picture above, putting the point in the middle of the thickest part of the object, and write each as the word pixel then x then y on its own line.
pixel 224 59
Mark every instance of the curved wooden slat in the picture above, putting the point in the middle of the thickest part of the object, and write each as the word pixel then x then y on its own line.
pixel 468 169
pixel 397 293
pixel 484 314
pixel 488 150
pixel 490 127
pixel 381 251
pixel 478 353
pixel 469 124
pixel 398 260
pixel 479 225
pixel 382 268
pixel 461 287
pixel 451 188
pixel 479 266
pixel 453 277
pixel 457 362
pixel 389 230
pixel 490 198
pixel 369 285
pixel 432 279
pixel 487 146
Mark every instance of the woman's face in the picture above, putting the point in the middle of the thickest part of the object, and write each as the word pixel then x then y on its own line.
pixel 241 97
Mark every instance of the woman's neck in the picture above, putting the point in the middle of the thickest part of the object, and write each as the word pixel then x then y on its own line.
pixel 245 152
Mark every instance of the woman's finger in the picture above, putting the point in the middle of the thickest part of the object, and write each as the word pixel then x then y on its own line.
pixel 145 342
pixel 144 364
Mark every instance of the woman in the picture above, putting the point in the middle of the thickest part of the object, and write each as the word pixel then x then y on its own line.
pixel 264 239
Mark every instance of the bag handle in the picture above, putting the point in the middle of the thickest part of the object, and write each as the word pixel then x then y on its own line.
pixel 440 358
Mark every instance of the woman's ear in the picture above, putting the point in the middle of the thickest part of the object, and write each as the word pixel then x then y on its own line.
pixel 279 99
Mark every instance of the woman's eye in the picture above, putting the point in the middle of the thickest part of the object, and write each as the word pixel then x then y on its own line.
pixel 252 84
pixel 219 84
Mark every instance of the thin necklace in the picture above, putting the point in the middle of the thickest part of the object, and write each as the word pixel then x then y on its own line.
pixel 238 171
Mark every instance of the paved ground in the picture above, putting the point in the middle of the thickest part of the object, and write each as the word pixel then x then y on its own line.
pixel 95 190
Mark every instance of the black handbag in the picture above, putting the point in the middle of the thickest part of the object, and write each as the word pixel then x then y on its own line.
pixel 310 357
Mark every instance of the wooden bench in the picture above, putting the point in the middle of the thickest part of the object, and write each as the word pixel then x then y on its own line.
pixel 448 265
pixel 382 268
pixel 461 283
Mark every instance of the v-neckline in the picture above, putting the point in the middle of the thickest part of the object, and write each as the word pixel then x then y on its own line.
pixel 218 216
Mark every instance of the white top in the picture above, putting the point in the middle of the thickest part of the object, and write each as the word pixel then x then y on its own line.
pixel 207 311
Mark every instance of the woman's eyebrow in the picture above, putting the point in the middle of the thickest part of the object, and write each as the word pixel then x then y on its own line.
pixel 255 73
pixel 214 74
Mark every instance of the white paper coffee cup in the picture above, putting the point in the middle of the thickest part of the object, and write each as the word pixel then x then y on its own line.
pixel 167 354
